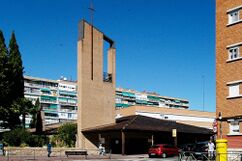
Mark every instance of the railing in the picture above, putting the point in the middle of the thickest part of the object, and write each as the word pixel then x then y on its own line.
pixel 229 156
pixel 194 156
pixel 48 101
pixel 67 103
pixel 39 85
pixel 23 154
pixel 107 77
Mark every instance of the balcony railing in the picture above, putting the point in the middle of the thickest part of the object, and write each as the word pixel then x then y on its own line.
pixel 67 103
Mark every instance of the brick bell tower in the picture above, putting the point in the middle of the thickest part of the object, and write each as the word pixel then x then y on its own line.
pixel 96 88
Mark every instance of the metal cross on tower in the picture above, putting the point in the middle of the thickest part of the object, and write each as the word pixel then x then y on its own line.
pixel 92 10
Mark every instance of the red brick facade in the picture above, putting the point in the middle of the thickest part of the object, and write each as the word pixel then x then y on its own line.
pixel 229 68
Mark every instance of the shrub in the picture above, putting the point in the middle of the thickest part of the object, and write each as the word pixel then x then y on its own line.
pixel 36 141
pixel 66 135
pixel 16 137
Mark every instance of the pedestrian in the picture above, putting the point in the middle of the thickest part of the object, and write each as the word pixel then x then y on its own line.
pixel 211 147
pixel 101 149
pixel 49 146
pixel 1 149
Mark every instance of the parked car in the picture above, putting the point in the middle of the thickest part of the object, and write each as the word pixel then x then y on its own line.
pixel 163 150
pixel 199 149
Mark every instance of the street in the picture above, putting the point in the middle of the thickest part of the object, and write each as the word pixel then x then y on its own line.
pixel 147 159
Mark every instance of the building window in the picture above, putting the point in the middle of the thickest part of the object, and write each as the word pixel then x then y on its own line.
pixel 234 127
pixel 234 53
pixel 69 115
pixel 234 90
pixel 233 16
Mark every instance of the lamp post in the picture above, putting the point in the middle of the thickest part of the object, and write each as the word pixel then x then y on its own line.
pixel 220 125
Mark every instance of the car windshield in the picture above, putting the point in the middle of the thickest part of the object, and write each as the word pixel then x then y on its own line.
pixel 202 146
pixel 188 147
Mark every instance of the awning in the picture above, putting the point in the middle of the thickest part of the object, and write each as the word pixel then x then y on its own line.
pixel 53 106
pixel 68 93
pixel 153 98
pixel 141 101
pixel 45 89
pixel 128 94
pixel 121 105
pixel 48 98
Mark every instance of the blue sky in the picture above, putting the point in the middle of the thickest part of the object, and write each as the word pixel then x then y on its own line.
pixel 163 46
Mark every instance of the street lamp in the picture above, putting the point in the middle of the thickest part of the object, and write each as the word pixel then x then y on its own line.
pixel 220 126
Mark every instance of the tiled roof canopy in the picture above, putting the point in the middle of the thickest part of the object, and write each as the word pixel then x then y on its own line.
pixel 143 123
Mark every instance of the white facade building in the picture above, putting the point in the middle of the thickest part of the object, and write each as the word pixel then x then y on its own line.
pixel 58 98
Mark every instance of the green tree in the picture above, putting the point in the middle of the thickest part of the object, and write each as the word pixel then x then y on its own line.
pixel 12 101
pixel 39 119
pixel 3 68
pixel 22 106
pixel 67 134
pixel 16 105
pixel 16 68
pixel 33 112
pixel 4 88
pixel 16 137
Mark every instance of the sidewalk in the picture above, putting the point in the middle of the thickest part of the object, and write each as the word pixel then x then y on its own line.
pixel 74 158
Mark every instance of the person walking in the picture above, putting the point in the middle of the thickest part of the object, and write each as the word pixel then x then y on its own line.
pixel 49 146
pixel 1 149
pixel 211 147
pixel 101 149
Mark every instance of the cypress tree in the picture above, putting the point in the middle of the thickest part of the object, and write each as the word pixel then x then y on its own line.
pixel 15 83
pixel 3 70
pixel 4 90
pixel 34 112
pixel 16 67
pixel 12 101
pixel 39 118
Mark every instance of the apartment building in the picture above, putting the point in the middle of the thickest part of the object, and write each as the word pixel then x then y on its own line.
pixel 58 98
pixel 129 97
pixel 229 71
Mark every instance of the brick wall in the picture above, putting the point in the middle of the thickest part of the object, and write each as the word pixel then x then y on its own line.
pixel 96 98
pixel 227 71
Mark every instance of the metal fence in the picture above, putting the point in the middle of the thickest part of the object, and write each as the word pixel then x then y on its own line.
pixel 194 156
pixel 191 156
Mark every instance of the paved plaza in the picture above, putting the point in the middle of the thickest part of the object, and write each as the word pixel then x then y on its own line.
pixel 89 158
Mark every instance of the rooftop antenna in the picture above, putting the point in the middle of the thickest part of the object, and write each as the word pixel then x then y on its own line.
pixel 91 8
pixel 203 77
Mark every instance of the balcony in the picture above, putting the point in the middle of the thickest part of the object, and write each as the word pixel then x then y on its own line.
pixel 48 101
pixel 40 85
pixel 67 103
